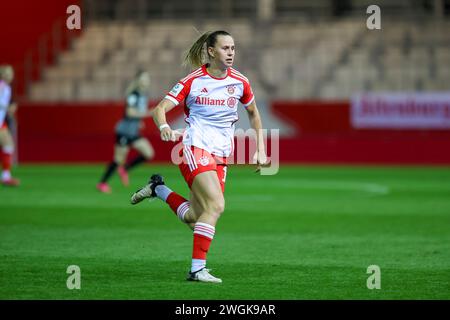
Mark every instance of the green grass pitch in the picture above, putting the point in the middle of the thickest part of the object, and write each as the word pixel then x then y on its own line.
pixel 309 232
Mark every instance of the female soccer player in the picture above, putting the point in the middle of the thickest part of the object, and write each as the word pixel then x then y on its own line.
pixel 211 94
pixel 6 139
pixel 127 133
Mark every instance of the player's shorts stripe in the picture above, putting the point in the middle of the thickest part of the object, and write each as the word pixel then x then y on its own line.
pixel 194 163
pixel 190 159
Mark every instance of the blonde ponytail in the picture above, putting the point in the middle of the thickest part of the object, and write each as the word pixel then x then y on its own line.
pixel 195 57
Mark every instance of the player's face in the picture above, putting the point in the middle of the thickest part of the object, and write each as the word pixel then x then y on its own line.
pixel 8 75
pixel 223 51
pixel 144 81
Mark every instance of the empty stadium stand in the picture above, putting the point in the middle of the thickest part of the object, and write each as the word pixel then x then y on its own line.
pixel 329 58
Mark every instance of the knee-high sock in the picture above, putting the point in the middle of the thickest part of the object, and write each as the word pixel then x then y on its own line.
pixel 203 235
pixel 109 171
pixel 136 161
pixel 7 153
pixel 178 204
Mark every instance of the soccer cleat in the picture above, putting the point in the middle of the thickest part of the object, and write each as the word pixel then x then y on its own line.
pixel 104 187
pixel 11 182
pixel 147 191
pixel 203 275
pixel 123 174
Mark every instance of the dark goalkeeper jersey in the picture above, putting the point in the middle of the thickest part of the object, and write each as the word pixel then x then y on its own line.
pixel 130 126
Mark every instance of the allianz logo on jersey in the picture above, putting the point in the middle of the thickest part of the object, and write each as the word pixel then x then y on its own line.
pixel 207 101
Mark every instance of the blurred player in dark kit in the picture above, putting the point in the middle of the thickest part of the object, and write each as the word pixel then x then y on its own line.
pixel 128 133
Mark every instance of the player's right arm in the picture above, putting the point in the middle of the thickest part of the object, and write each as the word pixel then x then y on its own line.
pixel 173 98
pixel 159 117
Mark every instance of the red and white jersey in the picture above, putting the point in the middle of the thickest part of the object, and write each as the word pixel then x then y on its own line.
pixel 211 108
pixel 5 100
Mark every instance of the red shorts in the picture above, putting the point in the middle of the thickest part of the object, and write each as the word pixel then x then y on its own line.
pixel 196 160
pixel 4 125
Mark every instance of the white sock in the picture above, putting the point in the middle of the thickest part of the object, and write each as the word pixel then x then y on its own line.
pixel 198 264
pixel 207 231
pixel 6 175
pixel 162 191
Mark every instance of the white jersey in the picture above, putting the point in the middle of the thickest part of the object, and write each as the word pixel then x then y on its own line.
pixel 211 108
pixel 5 100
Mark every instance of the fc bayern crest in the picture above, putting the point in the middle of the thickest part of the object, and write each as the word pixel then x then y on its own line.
pixel 231 102
pixel 230 89
pixel 204 161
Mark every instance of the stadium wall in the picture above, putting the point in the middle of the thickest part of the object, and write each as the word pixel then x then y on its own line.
pixel 85 133
pixel 33 28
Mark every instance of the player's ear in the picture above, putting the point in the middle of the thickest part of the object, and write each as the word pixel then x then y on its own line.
pixel 211 52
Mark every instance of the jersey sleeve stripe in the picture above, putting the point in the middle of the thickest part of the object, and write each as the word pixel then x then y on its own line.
pixel 191 78
pixel 189 75
pixel 192 74
pixel 237 73
pixel 170 98
pixel 239 78
pixel 249 103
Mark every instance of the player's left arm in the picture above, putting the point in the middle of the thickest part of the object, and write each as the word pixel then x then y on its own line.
pixel 256 123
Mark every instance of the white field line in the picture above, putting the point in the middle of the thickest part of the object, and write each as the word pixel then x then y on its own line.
pixel 327 185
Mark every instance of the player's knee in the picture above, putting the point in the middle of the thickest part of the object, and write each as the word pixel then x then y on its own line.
pixel 149 154
pixel 217 207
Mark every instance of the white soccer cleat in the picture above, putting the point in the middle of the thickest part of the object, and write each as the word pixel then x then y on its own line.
pixel 147 191
pixel 203 275
pixel 141 194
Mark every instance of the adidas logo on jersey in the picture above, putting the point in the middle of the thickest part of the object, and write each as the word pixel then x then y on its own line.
pixel 204 90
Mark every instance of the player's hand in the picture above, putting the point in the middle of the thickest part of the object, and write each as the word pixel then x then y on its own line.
pixel 167 134
pixel 176 134
pixel 260 158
